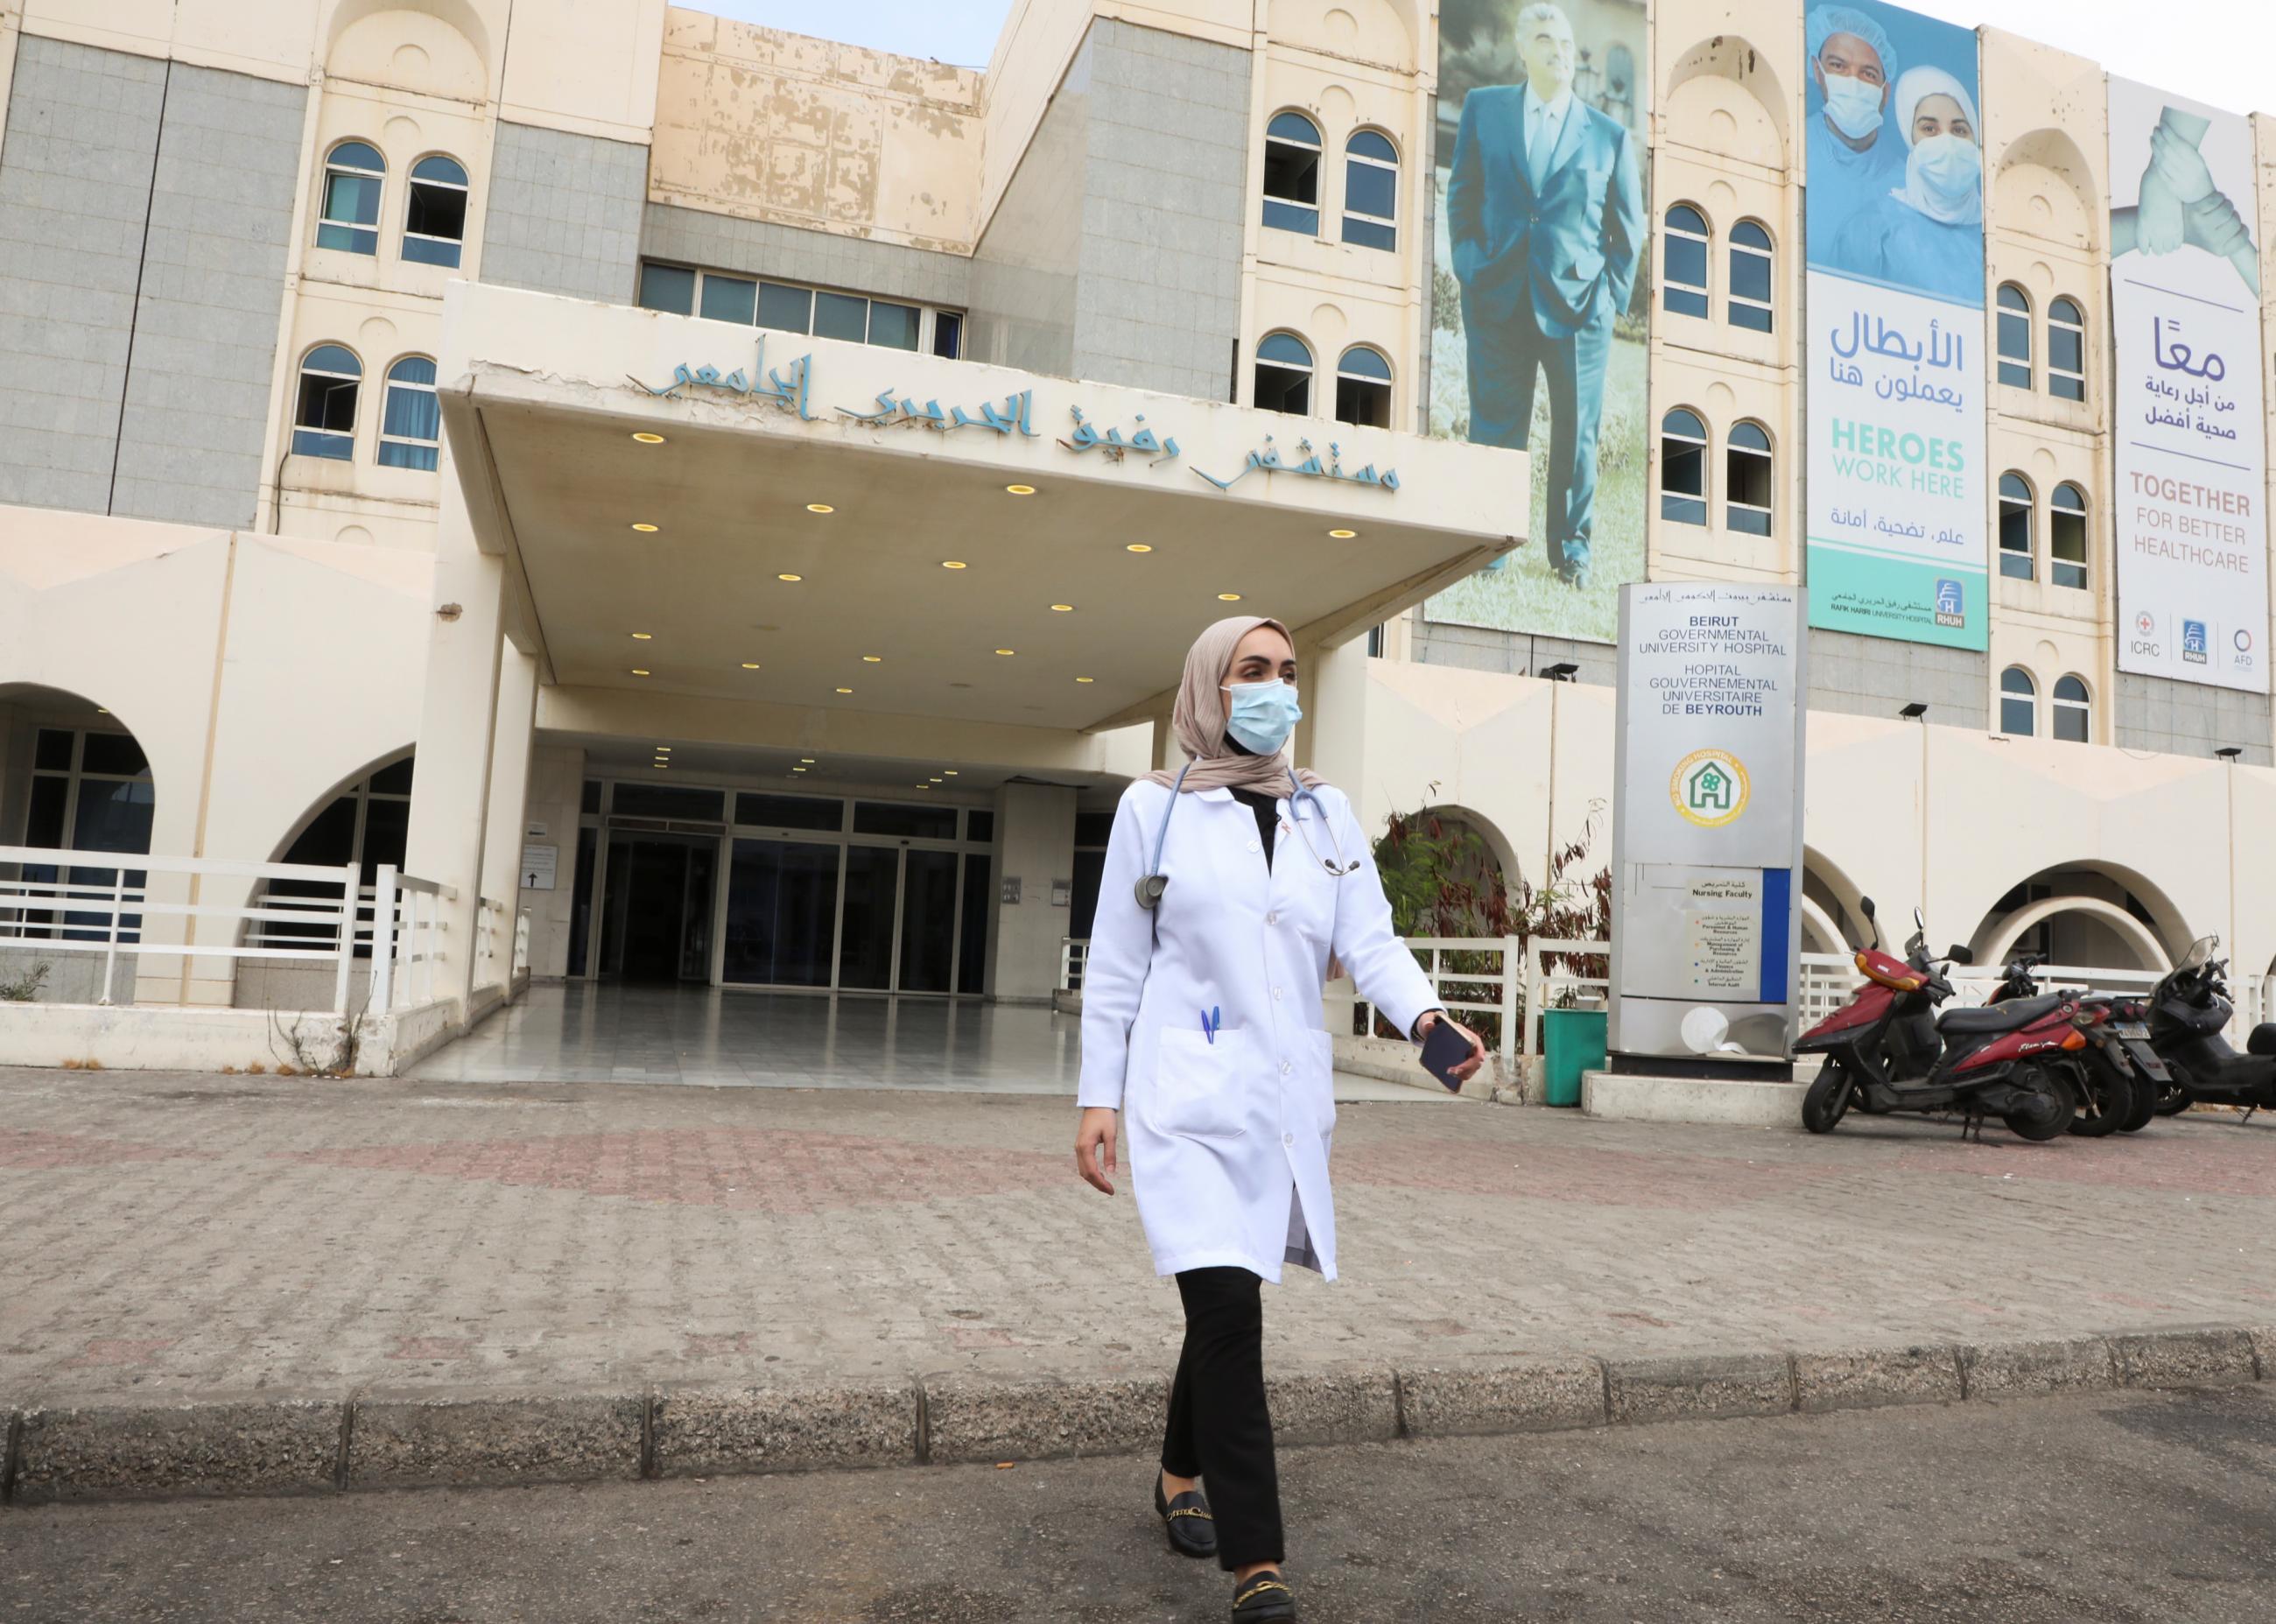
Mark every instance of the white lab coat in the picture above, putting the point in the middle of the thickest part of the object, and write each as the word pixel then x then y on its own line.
pixel 1227 1141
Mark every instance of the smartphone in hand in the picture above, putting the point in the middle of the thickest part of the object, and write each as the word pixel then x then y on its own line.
pixel 1445 1048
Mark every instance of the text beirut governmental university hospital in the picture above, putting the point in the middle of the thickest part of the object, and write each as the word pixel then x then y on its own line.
pixel 650 498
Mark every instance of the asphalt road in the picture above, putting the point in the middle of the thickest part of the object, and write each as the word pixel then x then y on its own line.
pixel 2145 1509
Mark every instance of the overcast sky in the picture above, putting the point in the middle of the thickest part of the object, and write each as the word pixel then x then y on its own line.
pixel 2214 50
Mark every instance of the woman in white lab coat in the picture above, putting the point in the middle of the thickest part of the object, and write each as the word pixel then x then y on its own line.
pixel 1201 1026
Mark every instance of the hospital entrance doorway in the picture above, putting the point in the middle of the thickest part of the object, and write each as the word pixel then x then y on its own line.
pixel 656 919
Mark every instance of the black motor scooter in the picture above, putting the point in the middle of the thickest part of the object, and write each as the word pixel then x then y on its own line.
pixel 2120 1073
pixel 2189 1011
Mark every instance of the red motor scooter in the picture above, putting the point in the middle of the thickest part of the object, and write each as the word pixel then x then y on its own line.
pixel 1888 1049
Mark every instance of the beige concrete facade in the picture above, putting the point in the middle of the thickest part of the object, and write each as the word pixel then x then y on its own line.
pixel 478 614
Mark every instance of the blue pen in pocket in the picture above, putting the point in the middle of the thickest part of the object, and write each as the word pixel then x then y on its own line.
pixel 1210 1020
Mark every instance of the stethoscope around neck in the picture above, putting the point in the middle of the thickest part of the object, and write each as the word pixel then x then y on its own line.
pixel 1153 883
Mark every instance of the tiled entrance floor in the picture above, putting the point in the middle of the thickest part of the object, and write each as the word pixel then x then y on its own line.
pixel 579 1032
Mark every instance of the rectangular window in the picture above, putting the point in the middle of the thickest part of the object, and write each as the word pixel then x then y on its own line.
pixel 707 806
pixel 2015 349
pixel 1094 828
pixel 2065 362
pixel 668 287
pixel 947 335
pixel 790 309
pixel 789 812
pixel 865 953
pixel 972 931
pixel 53 752
pixel 841 316
pixel 889 817
pixel 2067 542
pixel 980 826
pixel 782 911
pixel 728 299
pixel 892 327
pixel 2016 717
pixel 1751 290
pixel 1292 188
pixel 1685 292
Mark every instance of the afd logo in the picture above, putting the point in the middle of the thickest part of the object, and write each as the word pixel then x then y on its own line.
pixel 1951 603
pixel 2192 641
pixel 2240 640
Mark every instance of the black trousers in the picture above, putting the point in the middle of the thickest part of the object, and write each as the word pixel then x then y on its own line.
pixel 1219 1428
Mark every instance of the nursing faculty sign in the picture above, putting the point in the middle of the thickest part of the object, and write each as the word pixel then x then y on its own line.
pixel 1707 832
pixel 2192 468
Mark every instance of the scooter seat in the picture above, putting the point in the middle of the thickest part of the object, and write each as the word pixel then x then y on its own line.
pixel 1998 1017
pixel 2262 1040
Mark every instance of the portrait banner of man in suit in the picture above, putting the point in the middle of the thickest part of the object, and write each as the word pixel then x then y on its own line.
pixel 1536 343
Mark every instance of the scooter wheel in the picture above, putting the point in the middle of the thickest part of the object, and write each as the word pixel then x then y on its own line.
pixel 1827 1101
pixel 2104 1105
pixel 2058 1106
pixel 2172 1101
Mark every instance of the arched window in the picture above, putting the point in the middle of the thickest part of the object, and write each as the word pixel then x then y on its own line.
pixel 1370 191
pixel 1283 374
pixel 2066 350
pixel 436 225
pixel 2015 336
pixel 1682 468
pixel 353 172
pixel 2019 703
pixel 367 824
pixel 411 422
pixel 2015 549
pixel 1747 479
pixel 1683 261
pixel 2073 711
pixel 2067 536
pixel 323 419
pixel 1292 174
pixel 1363 388
pixel 1749 303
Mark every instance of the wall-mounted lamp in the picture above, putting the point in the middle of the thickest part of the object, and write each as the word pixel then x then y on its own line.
pixel 2229 752
pixel 1563 670
pixel 1915 712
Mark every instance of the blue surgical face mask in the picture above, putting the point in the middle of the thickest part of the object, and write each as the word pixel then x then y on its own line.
pixel 1263 714
pixel 1853 105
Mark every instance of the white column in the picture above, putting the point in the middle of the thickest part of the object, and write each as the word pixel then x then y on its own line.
pixel 1035 841
pixel 450 796
pixel 509 795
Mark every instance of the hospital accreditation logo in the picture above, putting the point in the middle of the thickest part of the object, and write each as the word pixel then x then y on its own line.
pixel 1708 787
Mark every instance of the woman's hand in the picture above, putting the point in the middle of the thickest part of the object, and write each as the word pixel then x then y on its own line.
pixel 1094 1148
pixel 1468 1068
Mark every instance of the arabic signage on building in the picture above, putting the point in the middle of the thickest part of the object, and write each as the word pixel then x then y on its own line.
pixel 791 388
pixel 1898 509
pixel 2190 522
pixel 1707 832
pixel 1538 318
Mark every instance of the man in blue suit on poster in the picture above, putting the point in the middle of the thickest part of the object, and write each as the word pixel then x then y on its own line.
pixel 1544 212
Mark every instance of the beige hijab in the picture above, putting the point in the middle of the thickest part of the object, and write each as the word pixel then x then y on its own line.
pixel 1198 720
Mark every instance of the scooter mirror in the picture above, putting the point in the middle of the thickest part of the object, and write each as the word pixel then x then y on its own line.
pixel 1960 954
pixel 1865 907
pixel 1918 922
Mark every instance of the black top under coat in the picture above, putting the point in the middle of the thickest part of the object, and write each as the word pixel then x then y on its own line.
pixel 1266 808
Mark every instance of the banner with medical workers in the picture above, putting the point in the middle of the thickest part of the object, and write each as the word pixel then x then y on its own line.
pixel 1537 333
pixel 2191 529
pixel 1898 526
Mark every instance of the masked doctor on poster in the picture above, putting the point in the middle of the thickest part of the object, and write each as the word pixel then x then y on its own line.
pixel 1545 213
pixel 1926 232
pixel 1855 154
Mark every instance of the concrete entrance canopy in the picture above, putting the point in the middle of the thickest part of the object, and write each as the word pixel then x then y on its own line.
pixel 543 398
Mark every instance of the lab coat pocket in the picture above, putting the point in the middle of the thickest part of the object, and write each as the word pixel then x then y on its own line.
pixel 1197 1083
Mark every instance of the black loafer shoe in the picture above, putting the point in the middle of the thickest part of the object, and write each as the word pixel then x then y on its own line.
pixel 1264 1597
pixel 1192 1531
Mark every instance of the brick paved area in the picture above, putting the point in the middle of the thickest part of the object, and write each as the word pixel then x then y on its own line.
pixel 217 1235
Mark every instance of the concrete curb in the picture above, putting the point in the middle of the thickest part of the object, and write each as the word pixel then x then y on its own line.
pixel 260 1447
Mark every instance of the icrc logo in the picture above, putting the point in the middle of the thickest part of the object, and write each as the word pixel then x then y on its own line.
pixel 2145 623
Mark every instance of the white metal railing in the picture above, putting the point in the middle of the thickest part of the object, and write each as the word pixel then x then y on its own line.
pixel 1075 953
pixel 105 902
pixel 112 902
pixel 1517 980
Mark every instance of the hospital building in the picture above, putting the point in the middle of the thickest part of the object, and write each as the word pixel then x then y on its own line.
pixel 667 509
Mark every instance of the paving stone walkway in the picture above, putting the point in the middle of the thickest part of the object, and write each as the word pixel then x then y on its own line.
pixel 201 1236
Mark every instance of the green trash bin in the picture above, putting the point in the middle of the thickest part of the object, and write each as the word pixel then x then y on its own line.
pixel 1571 1041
